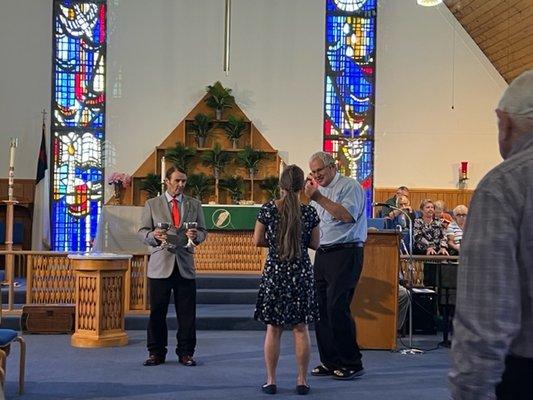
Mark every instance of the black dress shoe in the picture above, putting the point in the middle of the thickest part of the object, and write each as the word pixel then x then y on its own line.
pixel 188 361
pixel 321 370
pixel 153 360
pixel 303 389
pixel 269 389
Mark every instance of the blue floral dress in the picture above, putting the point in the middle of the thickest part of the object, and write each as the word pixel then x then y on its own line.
pixel 287 293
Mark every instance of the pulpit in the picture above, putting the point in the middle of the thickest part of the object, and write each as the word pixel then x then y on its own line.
pixel 375 303
pixel 100 285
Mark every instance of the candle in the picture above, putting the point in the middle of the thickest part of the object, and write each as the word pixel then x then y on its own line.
pixel 13 145
pixel 163 169
pixel 464 167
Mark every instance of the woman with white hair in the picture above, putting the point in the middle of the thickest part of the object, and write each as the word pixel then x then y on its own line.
pixel 454 233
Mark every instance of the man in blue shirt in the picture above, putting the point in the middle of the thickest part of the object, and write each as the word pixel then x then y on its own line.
pixel 340 203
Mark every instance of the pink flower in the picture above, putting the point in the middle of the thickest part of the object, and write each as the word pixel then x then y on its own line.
pixel 120 178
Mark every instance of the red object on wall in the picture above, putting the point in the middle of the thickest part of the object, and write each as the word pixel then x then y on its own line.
pixel 464 167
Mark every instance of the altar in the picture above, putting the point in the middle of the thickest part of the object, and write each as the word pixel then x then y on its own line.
pixel 228 249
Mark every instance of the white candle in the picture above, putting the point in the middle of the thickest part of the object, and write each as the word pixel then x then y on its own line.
pixel 163 169
pixel 12 153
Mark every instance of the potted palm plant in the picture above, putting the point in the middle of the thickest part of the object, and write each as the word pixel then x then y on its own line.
pixel 270 185
pixel 234 186
pixel 219 98
pixel 201 127
pixel 217 159
pixel 180 155
pixel 250 159
pixel 234 128
pixel 199 185
pixel 151 184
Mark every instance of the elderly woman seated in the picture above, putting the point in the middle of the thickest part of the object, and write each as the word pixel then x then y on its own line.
pixel 428 232
pixel 454 232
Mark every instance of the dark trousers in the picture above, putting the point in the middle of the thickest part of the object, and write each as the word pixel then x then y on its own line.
pixel 516 381
pixel 185 302
pixel 336 275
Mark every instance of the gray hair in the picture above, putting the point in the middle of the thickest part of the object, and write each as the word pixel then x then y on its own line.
pixel 518 97
pixel 326 158
pixel 459 208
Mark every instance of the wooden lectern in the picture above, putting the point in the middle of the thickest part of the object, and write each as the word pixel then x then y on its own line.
pixel 375 303
pixel 100 289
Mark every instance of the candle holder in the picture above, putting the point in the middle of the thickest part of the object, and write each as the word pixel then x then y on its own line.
pixel 463 173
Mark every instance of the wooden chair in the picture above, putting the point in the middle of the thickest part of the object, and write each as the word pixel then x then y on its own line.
pixel 7 336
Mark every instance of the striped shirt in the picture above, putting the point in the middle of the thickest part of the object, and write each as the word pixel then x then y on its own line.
pixel 494 314
pixel 456 231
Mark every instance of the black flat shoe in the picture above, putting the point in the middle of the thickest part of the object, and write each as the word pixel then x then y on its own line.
pixel 321 370
pixel 302 389
pixel 269 389
pixel 153 360
pixel 346 374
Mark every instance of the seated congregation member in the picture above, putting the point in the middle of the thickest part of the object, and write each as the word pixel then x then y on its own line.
pixel 440 211
pixel 171 269
pixel 287 293
pixel 386 211
pixel 454 233
pixel 398 218
pixel 428 235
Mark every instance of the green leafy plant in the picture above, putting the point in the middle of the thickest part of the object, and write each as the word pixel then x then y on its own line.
pixel 199 185
pixel 219 98
pixel 234 128
pixel 201 127
pixel 250 159
pixel 180 155
pixel 270 185
pixel 234 186
pixel 151 184
pixel 217 159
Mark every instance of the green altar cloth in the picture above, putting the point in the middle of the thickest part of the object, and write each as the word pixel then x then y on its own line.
pixel 230 217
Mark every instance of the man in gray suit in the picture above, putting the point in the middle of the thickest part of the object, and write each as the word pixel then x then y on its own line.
pixel 171 267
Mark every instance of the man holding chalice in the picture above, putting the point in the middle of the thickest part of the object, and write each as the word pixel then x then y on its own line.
pixel 172 225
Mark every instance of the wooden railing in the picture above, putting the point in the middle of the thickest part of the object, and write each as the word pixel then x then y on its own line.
pixel 50 279
pixel 413 267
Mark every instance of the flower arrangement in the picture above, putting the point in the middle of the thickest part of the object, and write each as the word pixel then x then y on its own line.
pixel 119 178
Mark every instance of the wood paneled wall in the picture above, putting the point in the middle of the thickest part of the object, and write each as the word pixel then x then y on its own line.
pixel 23 190
pixel 451 197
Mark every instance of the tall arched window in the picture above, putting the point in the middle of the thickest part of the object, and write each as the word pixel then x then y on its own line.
pixel 77 122
pixel 350 88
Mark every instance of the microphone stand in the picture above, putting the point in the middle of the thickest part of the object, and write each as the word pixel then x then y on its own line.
pixel 410 267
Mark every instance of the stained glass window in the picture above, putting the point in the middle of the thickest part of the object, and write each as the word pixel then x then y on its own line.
pixel 350 88
pixel 78 122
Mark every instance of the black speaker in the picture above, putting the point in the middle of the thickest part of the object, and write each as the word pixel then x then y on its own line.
pixel 424 311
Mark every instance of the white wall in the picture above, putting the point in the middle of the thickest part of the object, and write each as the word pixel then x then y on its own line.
pixel 25 73
pixel 422 72
pixel 162 53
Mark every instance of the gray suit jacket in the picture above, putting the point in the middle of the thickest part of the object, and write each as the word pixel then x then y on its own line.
pixel 162 261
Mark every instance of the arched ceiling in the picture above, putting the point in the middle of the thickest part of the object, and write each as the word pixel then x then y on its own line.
pixel 503 30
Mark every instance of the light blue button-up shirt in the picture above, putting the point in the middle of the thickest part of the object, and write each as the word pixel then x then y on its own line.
pixel 349 193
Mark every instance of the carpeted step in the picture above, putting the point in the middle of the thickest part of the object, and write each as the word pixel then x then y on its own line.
pixel 226 296
pixel 233 281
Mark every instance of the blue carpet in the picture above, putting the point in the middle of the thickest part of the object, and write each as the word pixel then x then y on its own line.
pixel 230 367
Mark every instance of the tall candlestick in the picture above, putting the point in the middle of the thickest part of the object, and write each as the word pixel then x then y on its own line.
pixel 11 175
pixel 163 172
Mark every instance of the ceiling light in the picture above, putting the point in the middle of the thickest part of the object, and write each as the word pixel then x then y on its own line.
pixel 428 3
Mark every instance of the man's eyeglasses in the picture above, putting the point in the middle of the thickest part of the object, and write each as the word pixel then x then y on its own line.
pixel 460 215
pixel 318 171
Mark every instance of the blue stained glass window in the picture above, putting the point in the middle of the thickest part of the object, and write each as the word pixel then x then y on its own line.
pixel 350 88
pixel 78 122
